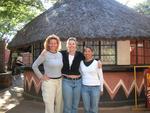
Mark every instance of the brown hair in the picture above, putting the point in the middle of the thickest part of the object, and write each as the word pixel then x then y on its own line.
pixel 89 47
pixel 50 37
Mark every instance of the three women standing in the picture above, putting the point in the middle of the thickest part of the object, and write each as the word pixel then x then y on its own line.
pixel 67 64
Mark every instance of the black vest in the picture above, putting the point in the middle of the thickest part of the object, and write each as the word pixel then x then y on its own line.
pixel 74 69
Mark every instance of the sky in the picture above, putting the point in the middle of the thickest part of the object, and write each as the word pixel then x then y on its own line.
pixel 130 3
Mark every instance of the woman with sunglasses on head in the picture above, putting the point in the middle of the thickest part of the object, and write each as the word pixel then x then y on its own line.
pixel 71 76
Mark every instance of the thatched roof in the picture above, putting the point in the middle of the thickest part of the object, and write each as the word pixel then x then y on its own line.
pixel 85 19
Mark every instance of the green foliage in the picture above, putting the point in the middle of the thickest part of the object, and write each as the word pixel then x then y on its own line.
pixel 144 7
pixel 15 13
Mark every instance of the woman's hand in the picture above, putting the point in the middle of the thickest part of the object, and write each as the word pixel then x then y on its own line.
pixel 99 64
pixel 44 78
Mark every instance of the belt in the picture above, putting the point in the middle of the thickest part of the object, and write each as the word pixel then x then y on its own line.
pixel 72 78
pixel 54 78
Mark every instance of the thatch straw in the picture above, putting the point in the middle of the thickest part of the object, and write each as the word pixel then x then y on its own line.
pixel 85 19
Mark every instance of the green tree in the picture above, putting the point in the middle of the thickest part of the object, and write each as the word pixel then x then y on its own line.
pixel 15 13
pixel 144 7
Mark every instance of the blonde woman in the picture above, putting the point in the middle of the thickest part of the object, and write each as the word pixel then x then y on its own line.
pixel 71 76
pixel 51 79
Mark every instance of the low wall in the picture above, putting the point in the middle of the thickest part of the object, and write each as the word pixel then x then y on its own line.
pixel 119 88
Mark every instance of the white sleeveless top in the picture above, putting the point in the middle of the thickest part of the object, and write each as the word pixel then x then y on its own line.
pixel 91 75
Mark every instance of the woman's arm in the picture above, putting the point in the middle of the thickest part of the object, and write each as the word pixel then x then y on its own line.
pixel 100 74
pixel 36 64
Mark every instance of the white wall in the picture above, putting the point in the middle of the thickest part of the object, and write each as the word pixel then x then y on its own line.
pixel 123 52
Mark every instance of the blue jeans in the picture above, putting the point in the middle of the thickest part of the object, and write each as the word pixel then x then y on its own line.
pixel 90 96
pixel 71 94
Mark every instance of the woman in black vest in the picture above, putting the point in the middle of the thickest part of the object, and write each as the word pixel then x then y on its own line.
pixel 71 76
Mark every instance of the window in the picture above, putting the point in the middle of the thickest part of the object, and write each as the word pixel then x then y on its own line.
pixel 140 51
pixel 147 52
pixel 37 49
pixel 108 52
pixel 104 50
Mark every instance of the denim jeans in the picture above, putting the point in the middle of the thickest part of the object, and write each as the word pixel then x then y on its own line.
pixel 90 96
pixel 71 95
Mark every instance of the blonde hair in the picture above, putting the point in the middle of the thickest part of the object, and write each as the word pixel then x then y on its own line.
pixel 71 39
pixel 50 37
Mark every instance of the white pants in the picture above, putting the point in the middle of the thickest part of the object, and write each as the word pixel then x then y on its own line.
pixel 52 95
